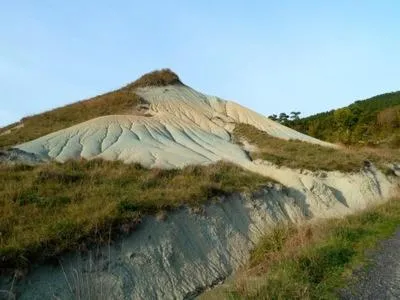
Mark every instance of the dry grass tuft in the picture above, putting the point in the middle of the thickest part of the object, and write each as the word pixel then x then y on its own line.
pixel 161 77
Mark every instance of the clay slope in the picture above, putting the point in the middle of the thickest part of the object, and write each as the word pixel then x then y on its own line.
pixel 179 126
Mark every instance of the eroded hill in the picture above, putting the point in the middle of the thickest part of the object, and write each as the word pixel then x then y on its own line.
pixel 163 190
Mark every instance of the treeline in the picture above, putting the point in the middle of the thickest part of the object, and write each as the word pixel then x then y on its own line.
pixel 372 121
pixel 284 118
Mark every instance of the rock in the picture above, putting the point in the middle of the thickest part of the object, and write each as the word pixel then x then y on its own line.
pixel 15 156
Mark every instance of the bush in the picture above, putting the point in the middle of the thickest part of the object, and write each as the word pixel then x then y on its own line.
pixel 324 261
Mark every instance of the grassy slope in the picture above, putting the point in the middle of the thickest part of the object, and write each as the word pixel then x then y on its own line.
pixel 302 155
pixel 120 101
pixel 315 260
pixel 371 121
pixel 54 207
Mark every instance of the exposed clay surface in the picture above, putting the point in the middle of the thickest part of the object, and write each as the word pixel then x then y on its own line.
pixel 185 127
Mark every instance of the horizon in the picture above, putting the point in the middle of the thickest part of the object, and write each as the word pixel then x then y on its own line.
pixel 268 57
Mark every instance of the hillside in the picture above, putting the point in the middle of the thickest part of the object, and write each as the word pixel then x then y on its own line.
pixel 374 121
pixel 121 101
pixel 162 191
pixel 157 123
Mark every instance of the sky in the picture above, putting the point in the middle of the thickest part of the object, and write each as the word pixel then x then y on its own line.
pixel 271 56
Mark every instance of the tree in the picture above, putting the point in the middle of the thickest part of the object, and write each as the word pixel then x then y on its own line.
pixel 283 118
pixel 344 118
pixel 294 115
pixel 273 117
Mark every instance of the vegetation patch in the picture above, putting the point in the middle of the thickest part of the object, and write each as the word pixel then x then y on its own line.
pixel 161 77
pixel 50 208
pixel 303 155
pixel 315 260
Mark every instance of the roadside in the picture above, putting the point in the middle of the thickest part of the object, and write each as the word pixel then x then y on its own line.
pixel 382 279
pixel 318 260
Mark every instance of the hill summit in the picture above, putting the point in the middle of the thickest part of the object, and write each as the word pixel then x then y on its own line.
pixel 120 101
pixel 161 77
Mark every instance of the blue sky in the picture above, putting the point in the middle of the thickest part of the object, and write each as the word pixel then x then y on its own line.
pixel 271 56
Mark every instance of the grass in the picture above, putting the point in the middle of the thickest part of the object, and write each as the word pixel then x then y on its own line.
pixel 161 77
pixel 303 155
pixel 117 102
pixel 316 260
pixel 50 208
pixel 121 101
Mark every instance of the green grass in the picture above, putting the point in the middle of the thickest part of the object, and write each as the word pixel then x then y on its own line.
pixel 53 207
pixel 302 155
pixel 121 101
pixel 316 260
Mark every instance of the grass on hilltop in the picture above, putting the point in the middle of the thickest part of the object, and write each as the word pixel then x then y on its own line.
pixel 161 77
pixel 53 207
pixel 313 261
pixel 303 155
pixel 122 101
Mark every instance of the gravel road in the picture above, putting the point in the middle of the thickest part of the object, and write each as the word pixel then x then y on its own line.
pixel 382 279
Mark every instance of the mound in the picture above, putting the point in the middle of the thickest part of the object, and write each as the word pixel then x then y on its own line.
pixel 121 101
pixel 179 127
